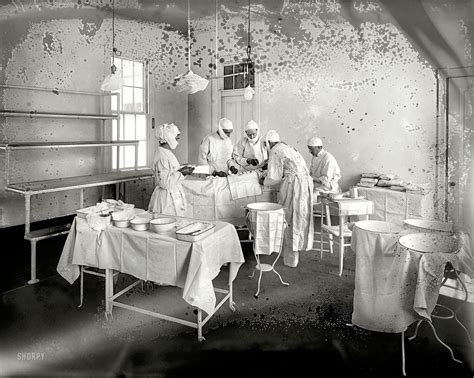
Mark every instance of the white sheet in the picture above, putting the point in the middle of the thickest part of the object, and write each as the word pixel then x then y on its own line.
pixel 394 286
pixel 244 185
pixel 154 257
pixel 211 200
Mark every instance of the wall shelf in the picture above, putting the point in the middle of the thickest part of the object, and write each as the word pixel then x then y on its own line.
pixel 30 188
pixel 78 182
pixel 39 145
pixel 36 114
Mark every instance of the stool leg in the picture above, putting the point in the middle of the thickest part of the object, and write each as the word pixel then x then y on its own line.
pixel 341 244
pixel 33 279
pixel 403 354
pixel 81 293
pixel 258 285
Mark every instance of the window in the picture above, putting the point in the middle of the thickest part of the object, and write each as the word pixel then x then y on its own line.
pixel 239 75
pixel 133 108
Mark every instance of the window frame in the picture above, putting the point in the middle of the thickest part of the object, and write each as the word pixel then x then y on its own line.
pixel 120 153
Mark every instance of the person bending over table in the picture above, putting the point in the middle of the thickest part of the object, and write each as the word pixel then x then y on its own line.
pixel 287 167
pixel 216 149
pixel 168 196
pixel 249 153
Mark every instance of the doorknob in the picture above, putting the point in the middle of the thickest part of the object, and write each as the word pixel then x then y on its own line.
pixel 452 183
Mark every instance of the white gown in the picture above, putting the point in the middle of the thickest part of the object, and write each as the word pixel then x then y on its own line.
pixel 168 196
pixel 215 152
pixel 325 167
pixel 244 150
pixel 287 166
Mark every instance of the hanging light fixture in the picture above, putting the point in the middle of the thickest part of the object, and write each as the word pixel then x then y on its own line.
pixel 248 91
pixel 113 81
pixel 189 82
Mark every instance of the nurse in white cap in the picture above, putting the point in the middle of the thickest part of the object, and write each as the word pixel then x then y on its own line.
pixel 287 168
pixel 249 153
pixel 324 168
pixel 216 149
pixel 168 196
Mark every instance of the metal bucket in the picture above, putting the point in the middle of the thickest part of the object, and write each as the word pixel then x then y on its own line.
pixel 429 242
pixel 424 225
pixel 380 227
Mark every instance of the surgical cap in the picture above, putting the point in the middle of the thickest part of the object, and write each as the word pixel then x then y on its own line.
pixel 167 133
pixel 226 124
pixel 251 125
pixel 315 142
pixel 272 136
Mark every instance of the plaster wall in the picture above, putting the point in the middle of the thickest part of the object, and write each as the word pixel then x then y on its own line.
pixel 360 75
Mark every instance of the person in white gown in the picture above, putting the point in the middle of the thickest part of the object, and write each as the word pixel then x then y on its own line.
pixel 216 149
pixel 287 167
pixel 168 196
pixel 249 153
pixel 324 168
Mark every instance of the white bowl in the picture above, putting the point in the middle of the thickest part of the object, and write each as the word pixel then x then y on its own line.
pixel 336 195
pixel 124 223
pixel 162 225
pixel 140 224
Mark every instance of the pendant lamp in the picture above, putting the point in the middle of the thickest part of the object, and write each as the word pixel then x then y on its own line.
pixel 248 91
pixel 113 81
pixel 189 82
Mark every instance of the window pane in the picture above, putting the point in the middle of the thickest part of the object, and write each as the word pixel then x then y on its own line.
pixel 121 152
pixel 129 157
pixel 127 99
pixel 114 129
pixel 114 157
pixel 229 82
pixel 138 74
pixel 113 102
pixel 129 127
pixel 127 72
pixel 141 127
pixel 228 70
pixel 121 127
pixel 138 99
pixel 142 154
pixel 239 81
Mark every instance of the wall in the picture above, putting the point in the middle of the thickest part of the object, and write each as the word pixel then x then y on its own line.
pixel 360 74
pixel 68 45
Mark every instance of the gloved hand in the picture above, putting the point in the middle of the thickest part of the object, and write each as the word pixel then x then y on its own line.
pixel 253 162
pixel 234 170
pixel 221 174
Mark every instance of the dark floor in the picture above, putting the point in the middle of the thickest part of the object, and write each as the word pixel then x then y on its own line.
pixel 286 331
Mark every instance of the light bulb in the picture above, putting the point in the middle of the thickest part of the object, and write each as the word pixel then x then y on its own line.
pixel 248 93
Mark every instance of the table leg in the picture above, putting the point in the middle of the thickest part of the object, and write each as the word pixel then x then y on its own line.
pixel 199 325
pixel 342 221
pixel 33 279
pixel 231 298
pixel 109 292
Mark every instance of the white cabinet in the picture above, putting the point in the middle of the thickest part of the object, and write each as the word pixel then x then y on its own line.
pixel 394 206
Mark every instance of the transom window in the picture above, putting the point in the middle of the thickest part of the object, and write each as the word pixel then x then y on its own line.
pixel 132 112
pixel 239 76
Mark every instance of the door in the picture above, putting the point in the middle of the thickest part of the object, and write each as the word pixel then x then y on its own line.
pixel 239 111
pixel 460 136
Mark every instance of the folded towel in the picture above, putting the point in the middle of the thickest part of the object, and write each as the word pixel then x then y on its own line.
pixel 368 180
pixel 370 175
pixel 397 188
pixel 244 185
pixel 366 185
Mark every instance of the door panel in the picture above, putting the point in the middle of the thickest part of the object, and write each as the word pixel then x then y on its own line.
pixel 239 111
pixel 459 132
